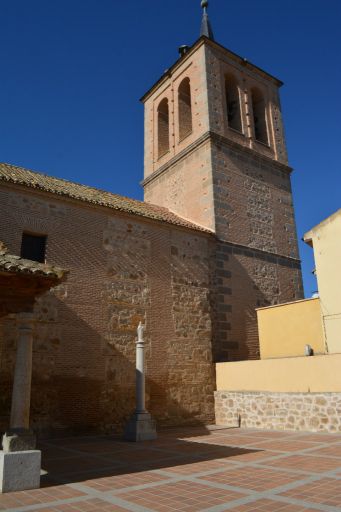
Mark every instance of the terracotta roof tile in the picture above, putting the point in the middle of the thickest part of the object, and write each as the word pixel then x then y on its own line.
pixel 14 264
pixel 28 178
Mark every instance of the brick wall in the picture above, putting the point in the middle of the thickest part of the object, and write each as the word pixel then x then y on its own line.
pixel 253 200
pixel 242 280
pixel 220 63
pixel 122 270
pixel 185 185
pixel 194 70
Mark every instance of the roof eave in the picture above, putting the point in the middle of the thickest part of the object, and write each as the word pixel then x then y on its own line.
pixel 308 238
pixel 202 40
pixel 182 222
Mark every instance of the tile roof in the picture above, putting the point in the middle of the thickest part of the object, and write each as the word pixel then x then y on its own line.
pixel 31 179
pixel 14 264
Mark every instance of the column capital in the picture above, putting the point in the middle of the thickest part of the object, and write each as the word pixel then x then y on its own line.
pixel 25 321
pixel 140 331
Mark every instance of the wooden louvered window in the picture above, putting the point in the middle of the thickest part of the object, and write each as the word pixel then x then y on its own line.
pixel 33 247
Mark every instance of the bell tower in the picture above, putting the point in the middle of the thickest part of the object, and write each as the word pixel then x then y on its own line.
pixel 215 154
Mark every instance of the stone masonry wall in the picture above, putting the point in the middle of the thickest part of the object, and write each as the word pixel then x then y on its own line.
pixel 256 261
pixel 123 269
pixel 253 201
pixel 242 280
pixel 279 411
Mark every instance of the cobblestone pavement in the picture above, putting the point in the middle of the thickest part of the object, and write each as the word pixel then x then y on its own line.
pixel 189 470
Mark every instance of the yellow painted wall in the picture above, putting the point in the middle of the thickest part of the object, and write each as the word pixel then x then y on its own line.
pixel 284 330
pixel 286 375
pixel 326 241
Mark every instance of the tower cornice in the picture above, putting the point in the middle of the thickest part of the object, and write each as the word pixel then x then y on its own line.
pixel 217 139
pixel 203 40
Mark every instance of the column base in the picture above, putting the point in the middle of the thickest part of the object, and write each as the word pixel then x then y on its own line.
pixel 18 440
pixel 20 471
pixel 140 427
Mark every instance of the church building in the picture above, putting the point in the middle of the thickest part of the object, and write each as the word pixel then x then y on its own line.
pixel 213 240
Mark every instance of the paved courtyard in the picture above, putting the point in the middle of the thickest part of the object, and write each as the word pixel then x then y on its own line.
pixel 188 470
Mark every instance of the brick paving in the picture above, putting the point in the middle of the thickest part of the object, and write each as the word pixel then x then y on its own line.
pixel 189 470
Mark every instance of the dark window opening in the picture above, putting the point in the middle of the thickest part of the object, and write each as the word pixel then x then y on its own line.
pixel 185 109
pixel 163 127
pixel 33 247
pixel 259 116
pixel 233 104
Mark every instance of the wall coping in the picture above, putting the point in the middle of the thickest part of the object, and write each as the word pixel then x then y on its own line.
pixel 288 303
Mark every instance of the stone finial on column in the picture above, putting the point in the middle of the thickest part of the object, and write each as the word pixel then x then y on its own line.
pixel 141 426
pixel 140 376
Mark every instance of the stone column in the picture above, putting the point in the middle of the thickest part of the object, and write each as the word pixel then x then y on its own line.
pixel 19 437
pixel 21 397
pixel 140 375
pixel 141 426
pixel 20 463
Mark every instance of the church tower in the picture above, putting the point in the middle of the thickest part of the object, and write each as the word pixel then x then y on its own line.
pixel 215 154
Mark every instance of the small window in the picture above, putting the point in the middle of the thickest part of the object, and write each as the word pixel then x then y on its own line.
pixel 233 103
pixel 259 116
pixel 185 108
pixel 163 127
pixel 33 247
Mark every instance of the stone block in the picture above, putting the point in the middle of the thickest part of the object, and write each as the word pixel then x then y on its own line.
pixel 20 471
pixel 141 427
pixel 18 441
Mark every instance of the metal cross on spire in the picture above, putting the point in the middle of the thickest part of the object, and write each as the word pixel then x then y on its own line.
pixel 206 29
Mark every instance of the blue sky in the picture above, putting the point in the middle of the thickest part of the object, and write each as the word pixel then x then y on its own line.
pixel 74 70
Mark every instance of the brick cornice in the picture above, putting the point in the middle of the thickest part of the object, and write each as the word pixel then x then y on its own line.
pixel 259 253
pixel 217 139
pixel 221 139
pixel 189 149
pixel 214 44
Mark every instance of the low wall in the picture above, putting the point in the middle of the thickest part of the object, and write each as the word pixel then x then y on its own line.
pixel 279 411
pixel 298 393
pixel 292 374
pixel 285 329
